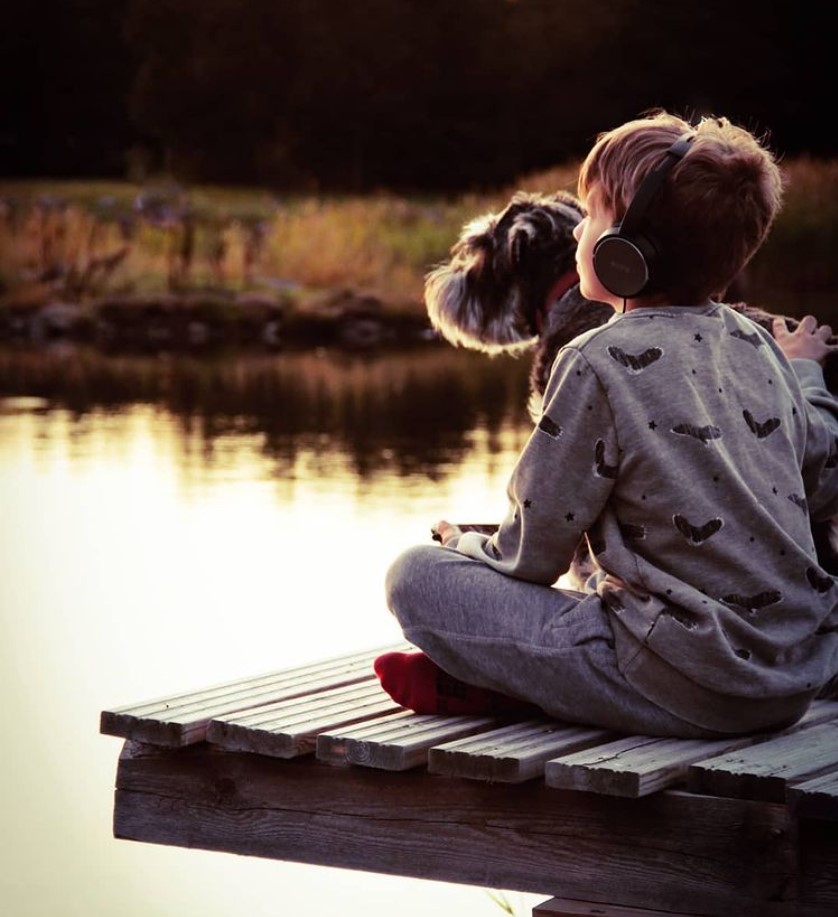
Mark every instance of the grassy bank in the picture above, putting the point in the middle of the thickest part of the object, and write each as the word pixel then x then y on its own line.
pixel 75 242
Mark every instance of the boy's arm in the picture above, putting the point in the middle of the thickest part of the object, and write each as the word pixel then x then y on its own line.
pixel 560 483
pixel 810 375
pixel 820 468
pixel 807 348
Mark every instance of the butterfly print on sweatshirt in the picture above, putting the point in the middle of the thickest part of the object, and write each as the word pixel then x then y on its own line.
pixel 760 430
pixel 753 338
pixel 752 603
pixel 685 618
pixel 635 363
pixel 697 534
pixel 703 434
pixel 549 426
pixel 600 468
pixel 799 502
pixel 632 531
pixel 817 581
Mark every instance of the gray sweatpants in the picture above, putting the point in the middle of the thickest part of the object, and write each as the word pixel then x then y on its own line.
pixel 549 646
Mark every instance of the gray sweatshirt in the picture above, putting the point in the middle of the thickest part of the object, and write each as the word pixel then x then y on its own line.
pixel 691 453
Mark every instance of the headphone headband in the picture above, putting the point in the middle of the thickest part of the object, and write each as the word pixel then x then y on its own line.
pixel 624 256
pixel 650 185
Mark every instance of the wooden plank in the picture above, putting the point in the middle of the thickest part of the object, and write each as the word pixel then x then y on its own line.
pixel 512 753
pixel 332 745
pixel 672 851
pixel 182 719
pixel 764 771
pixel 564 907
pixel 635 766
pixel 397 743
pixel 816 798
pixel 290 728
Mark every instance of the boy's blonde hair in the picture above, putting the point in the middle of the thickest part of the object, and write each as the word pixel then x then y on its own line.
pixel 714 208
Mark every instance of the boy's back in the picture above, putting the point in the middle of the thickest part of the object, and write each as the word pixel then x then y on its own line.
pixel 699 424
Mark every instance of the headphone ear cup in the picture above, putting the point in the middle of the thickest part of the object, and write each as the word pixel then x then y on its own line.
pixel 623 264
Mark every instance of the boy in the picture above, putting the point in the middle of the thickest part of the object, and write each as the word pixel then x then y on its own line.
pixel 688 449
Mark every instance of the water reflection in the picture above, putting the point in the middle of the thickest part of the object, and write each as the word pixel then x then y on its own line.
pixel 173 522
pixel 403 414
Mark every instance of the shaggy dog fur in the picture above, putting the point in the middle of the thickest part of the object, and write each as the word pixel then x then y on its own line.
pixel 510 285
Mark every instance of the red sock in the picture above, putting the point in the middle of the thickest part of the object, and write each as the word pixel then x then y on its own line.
pixel 416 682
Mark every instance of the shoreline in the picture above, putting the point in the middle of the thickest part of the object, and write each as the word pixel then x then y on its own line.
pixel 208 320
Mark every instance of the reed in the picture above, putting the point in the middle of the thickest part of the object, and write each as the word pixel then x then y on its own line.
pixel 81 241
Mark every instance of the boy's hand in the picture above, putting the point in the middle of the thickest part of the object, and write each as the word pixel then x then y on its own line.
pixel 444 532
pixel 809 341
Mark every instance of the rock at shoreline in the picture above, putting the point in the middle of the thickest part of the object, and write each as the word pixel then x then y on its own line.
pixel 195 321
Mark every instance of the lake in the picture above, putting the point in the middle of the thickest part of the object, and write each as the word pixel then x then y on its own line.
pixel 172 521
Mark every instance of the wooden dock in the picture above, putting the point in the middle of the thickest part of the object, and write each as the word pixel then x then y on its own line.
pixel 317 765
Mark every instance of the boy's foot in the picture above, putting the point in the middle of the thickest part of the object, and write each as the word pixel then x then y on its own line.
pixel 416 682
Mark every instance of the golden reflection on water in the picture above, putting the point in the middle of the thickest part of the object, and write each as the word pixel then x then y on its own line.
pixel 156 539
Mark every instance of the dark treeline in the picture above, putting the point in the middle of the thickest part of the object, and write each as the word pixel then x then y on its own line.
pixel 399 94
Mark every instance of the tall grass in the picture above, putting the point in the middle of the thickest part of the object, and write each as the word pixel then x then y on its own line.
pixel 382 244
pixel 81 241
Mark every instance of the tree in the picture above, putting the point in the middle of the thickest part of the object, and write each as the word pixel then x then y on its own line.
pixel 67 73
pixel 401 94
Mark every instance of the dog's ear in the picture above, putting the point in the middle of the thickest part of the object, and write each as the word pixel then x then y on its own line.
pixel 518 250
pixel 539 230
pixel 528 209
pixel 571 201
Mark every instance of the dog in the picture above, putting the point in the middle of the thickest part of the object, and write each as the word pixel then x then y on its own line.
pixel 510 285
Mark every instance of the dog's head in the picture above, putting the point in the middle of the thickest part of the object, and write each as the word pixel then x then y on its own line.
pixel 501 272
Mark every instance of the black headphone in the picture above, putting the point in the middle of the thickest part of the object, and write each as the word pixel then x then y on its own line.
pixel 624 256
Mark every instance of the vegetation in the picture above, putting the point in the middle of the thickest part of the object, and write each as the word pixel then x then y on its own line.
pixel 76 241
pixel 799 257
pixel 85 242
